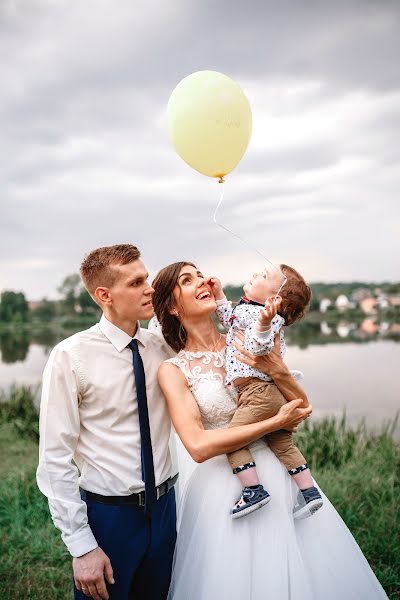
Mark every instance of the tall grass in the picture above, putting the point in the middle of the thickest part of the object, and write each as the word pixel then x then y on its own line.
pixel 359 471
pixel 17 408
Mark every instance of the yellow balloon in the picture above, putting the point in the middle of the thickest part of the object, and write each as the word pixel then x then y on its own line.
pixel 209 122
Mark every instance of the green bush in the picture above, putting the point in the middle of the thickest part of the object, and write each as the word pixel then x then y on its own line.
pixel 17 408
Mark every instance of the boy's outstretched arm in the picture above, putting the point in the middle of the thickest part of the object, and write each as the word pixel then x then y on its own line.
pixel 260 337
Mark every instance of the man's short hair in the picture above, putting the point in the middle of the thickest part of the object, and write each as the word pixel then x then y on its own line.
pixel 96 268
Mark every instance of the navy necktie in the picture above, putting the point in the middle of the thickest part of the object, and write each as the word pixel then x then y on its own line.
pixel 144 424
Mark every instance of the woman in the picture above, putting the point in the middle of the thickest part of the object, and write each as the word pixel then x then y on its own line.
pixel 266 554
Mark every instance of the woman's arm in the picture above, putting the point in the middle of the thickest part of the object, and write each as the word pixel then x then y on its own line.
pixel 203 444
pixel 273 365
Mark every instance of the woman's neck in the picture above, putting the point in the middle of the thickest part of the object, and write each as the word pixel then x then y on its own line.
pixel 202 335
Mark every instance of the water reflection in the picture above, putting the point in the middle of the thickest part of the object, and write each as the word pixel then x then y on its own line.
pixel 346 365
pixel 14 345
pixel 324 332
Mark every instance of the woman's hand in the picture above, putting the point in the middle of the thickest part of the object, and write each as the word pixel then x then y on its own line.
pixel 271 363
pixel 291 414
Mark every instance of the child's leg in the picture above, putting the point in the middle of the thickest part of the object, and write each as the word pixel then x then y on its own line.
pixel 303 479
pixel 309 499
pixel 253 406
pixel 242 461
pixel 281 444
pixel 253 495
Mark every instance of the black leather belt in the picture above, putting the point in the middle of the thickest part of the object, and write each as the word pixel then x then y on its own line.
pixel 137 499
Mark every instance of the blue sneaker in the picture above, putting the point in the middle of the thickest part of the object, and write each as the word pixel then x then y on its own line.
pixel 251 499
pixel 308 502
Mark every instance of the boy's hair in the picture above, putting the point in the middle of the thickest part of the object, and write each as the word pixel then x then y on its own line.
pixel 96 268
pixel 295 294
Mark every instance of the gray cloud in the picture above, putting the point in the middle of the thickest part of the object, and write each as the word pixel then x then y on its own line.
pixel 85 159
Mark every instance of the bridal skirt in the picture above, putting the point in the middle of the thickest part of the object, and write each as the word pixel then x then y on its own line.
pixel 266 554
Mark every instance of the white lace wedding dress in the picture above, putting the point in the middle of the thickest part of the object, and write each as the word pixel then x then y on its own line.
pixel 265 555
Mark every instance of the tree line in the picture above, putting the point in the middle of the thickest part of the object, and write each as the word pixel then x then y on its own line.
pixel 75 302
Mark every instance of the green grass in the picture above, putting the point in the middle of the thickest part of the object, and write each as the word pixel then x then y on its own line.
pixel 34 562
pixel 360 474
pixel 357 470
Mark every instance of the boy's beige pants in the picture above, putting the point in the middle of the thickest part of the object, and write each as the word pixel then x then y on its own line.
pixel 259 400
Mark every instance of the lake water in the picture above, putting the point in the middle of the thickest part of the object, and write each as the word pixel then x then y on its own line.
pixel 340 372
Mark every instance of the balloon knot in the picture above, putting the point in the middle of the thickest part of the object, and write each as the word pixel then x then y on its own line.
pixel 221 180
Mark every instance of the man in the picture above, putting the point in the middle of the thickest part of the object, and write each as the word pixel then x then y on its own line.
pixel 89 413
pixel 102 407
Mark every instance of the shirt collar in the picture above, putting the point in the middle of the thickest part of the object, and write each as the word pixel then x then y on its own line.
pixel 244 300
pixel 119 338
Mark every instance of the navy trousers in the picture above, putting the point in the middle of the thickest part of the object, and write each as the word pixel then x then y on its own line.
pixel 140 548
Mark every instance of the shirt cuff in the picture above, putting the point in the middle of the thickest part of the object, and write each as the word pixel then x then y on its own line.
pixel 222 301
pixel 297 375
pixel 262 334
pixel 82 542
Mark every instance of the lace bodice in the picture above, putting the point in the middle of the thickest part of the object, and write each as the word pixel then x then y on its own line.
pixel 205 374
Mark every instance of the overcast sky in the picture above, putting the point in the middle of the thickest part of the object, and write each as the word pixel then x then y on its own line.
pixel 86 160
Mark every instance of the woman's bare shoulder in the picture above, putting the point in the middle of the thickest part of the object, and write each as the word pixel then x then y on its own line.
pixel 170 369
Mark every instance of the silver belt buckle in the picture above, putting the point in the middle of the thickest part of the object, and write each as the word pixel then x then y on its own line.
pixel 141 498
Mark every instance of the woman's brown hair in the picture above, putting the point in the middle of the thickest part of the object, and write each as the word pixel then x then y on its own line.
pixel 164 303
pixel 295 294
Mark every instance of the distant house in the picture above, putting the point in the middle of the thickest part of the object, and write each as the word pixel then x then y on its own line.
pixel 342 302
pixel 34 304
pixel 394 300
pixel 360 294
pixel 368 305
pixel 383 301
pixel 324 305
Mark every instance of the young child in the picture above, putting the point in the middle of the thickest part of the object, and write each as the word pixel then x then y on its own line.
pixel 261 315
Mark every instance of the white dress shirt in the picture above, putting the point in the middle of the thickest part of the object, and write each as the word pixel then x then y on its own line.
pixel 89 413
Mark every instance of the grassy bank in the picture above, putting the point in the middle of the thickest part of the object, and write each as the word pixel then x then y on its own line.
pixel 357 470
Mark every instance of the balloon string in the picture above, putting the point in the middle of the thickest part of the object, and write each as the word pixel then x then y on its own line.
pixel 237 236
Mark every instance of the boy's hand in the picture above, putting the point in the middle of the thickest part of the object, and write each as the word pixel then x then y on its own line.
pixel 216 287
pixel 269 311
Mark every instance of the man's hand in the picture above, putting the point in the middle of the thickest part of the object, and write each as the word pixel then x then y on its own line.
pixel 89 573
pixel 268 312
pixel 216 287
pixel 292 415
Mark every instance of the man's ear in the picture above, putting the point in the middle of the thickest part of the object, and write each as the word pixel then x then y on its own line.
pixel 103 295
